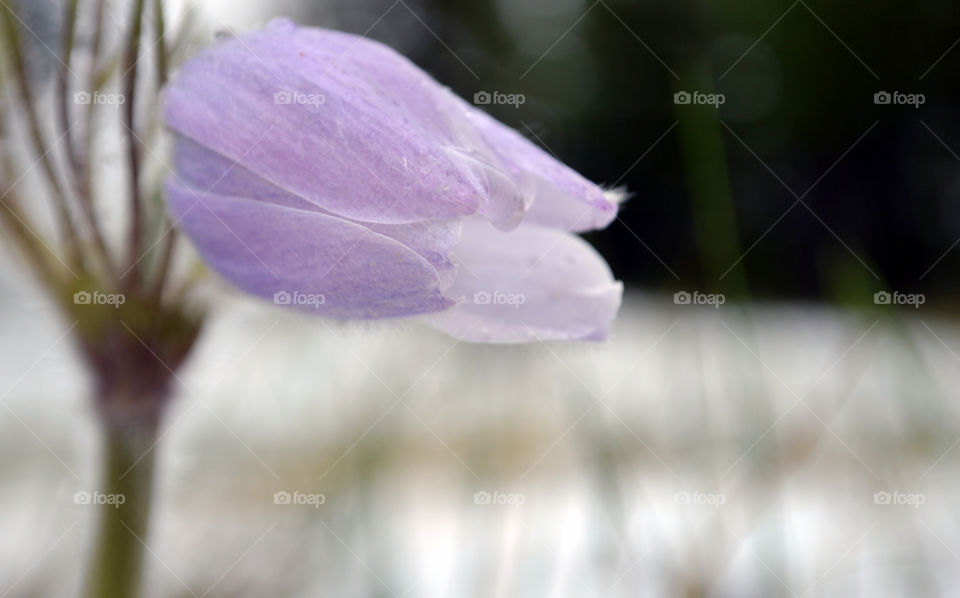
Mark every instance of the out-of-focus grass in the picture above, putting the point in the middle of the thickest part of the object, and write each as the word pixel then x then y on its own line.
pixel 784 421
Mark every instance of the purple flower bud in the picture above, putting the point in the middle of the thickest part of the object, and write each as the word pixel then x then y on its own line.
pixel 326 171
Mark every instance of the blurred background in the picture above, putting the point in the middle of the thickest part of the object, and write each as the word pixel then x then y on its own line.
pixel 797 440
pixel 878 184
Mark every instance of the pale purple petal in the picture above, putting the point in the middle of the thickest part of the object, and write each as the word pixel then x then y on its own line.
pixel 201 169
pixel 433 240
pixel 561 197
pixel 197 168
pixel 267 249
pixel 371 138
pixel 527 284
pixel 396 85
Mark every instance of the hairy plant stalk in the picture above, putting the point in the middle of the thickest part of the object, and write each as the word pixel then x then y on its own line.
pixel 11 26
pixel 82 193
pixel 170 234
pixel 21 234
pixel 93 84
pixel 134 348
pixel 63 87
pixel 18 227
pixel 160 46
pixel 129 83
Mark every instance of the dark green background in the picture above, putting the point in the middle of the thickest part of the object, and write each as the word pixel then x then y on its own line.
pixel 799 100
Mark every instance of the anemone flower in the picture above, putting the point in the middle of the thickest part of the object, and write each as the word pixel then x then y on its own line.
pixel 327 172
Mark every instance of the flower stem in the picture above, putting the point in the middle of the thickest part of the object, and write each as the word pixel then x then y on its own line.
pixel 134 351
pixel 127 473
pixel 129 83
